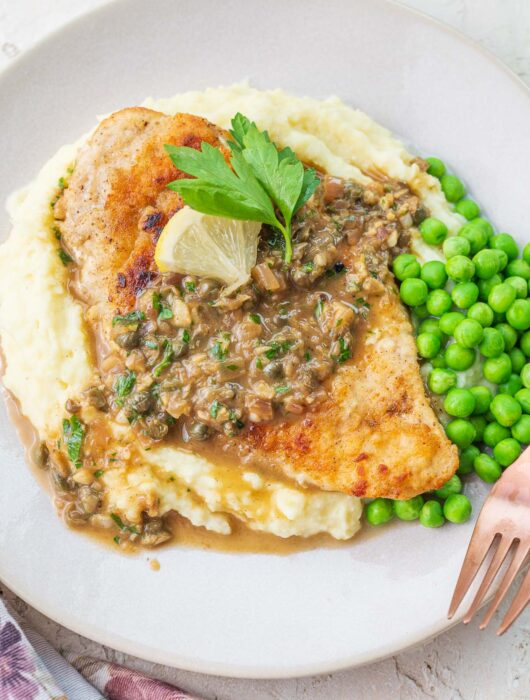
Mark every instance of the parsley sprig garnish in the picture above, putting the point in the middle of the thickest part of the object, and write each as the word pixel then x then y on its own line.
pixel 260 182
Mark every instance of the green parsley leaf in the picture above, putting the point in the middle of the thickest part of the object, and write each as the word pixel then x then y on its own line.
pixel 259 181
pixel 167 356
pixel 98 473
pixel 163 311
pixel 186 337
pixel 129 319
pixel 124 384
pixel 74 432
pixel 284 388
pixel 65 258
pixel 255 318
pixel 190 286
pixel 214 408
pixel 276 348
pixel 119 522
pixel 309 266
pixel 345 352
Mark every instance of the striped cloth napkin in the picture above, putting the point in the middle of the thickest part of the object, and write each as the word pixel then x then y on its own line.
pixel 30 669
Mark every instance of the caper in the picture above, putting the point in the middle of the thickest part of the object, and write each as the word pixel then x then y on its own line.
pixel 43 455
pixel 96 398
pixel 128 340
pixel 199 431
pixel 170 384
pixel 419 215
pixel 71 406
pixel 141 402
pixel 274 370
pixel 154 533
pixel 60 483
pixel 88 499
pixel 155 428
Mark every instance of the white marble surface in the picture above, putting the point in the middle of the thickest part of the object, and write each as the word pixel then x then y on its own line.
pixel 462 664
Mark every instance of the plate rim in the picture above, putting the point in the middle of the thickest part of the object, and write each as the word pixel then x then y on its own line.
pixel 169 658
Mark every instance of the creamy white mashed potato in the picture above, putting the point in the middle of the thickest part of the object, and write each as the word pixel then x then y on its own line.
pixel 48 354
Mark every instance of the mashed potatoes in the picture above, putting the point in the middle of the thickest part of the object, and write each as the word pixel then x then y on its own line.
pixel 49 356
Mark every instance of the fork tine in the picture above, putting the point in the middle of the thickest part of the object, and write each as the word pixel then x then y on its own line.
pixel 516 563
pixel 500 554
pixel 521 600
pixel 479 546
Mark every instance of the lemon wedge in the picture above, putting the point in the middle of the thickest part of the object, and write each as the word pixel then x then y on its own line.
pixel 208 246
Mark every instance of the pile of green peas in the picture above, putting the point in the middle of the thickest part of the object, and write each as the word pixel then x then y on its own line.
pixel 471 311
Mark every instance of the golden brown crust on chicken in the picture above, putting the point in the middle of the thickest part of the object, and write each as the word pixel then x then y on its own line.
pixel 376 434
pixel 117 202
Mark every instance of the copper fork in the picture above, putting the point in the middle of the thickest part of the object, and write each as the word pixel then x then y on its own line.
pixel 502 526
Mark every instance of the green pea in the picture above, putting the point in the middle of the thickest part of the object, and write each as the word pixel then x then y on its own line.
pixel 461 432
pixel 509 335
pixel 524 343
pixel 507 451
pixel 467 457
pixel 433 274
pixel 459 403
pixel 432 514
pixel 436 167
pixel 521 430
pixel 459 357
pixel 409 510
pixel 420 312
pixel 525 375
pixel 457 508
pixel 501 297
pixel 475 235
pixel 518 359
pixel 468 209
pixel 502 258
pixel 428 345
pixel 506 243
pixel 520 285
pixel 486 264
pixel 497 369
pixel 449 322
pixel 464 294
pixel 452 187
pixel 406 266
pixel 438 302
pixel 512 385
pixel 492 344
pixel 454 485
pixel 483 397
pixel 495 432
pixel 379 511
pixel 430 325
pixel 460 268
pixel 439 361
pixel 526 253
pixel 518 268
pixel 479 423
pixel 485 286
pixel 523 396
pixel 455 245
pixel 469 333
pixel 441 380
pixel 518 315
pixel 487 468
pixel 481 313
pixel 413 292
pixel 506 409
pixel 485 225
pixel 433 231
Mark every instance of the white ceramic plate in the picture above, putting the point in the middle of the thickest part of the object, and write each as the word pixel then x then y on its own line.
pixel 250 615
